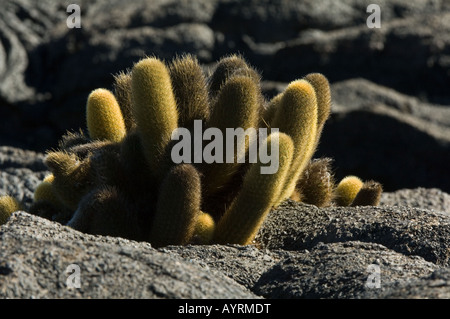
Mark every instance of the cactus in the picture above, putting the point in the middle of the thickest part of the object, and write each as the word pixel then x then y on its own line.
pixel 323 95
pixel 120 180
pixel 122 92
pixel 44 192
pixel 47 204
pixel 347 190
pixel 204 229
pixel 236 107
pixel 259 193
pixel 105 211
pixel 190 90
pixel 8 205
pixel 103 116
pixel 178 207
pixel 72 177
pixel 224 70
pixel 368 195
pixel 155 110
pixel 316 185
pixel 299 105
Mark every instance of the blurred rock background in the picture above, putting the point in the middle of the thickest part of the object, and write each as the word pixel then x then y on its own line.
pixel 391 86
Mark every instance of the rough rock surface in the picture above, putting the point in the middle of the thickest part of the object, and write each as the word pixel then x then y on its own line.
pixel 390 122
pixel 339 270
pixel 427 198
pixel 21 171
pixel 404 229
pixel 35 254
pixel 434 286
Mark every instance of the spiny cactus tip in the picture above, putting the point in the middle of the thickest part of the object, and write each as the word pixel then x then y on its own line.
pixel 369 194
pixel 204 229
pixel 8 205
pixel 347 190
pixel 103 116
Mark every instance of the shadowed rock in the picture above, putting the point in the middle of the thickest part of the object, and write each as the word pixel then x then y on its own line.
pixel 35 253
pixel 406 230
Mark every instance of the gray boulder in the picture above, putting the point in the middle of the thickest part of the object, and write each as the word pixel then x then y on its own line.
pixel 340 270
pixel 406 230
pixel 35 255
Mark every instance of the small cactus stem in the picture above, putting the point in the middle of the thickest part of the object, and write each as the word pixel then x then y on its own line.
pixel 178 207
pixel 190 89
pixel 72 177
pixel 155 111
pixel 369 194
pixel 297 117
pixel 103 116
pixel 122 92
pixel 224 70
pixel 235 112
pixel 204 229
pixel 259 192
pixel 8 205
pixel 347 190
pixel 44 192
pixel 323 95
pixel 316 185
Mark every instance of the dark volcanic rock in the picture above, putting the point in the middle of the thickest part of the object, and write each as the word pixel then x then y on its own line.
pixel 339 270
pixel 377 133
pixel 21 171
pixel 394 148
pixel 434 286
pixel 426 198
pixel 410 55
pixel 406 230
pixel 35 253
pixel 244 264
pixel 302 252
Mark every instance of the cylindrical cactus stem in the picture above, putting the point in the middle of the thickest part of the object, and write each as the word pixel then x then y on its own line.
pixel 178 207
pixel 155 111
pixel 8 205
pixel 369 194
pixel 47 204
pixel 73 177
pixel 204 229
pixel 190 89
pixel 297 117
pixel 122 92
pixel 105 211
pixel 323 95
pixel 44 192
pixel 259 193
pixel 73 139
pixel 103 116
pixel 224 70
pixel 347 190
pixel 234 113
pixel 268 114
